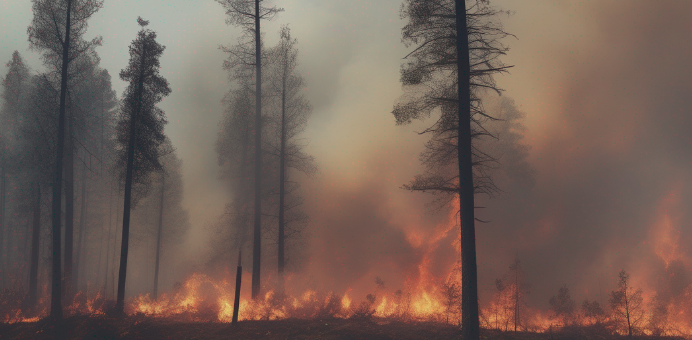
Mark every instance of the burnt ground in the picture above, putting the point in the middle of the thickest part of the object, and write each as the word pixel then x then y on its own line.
pixel 138 327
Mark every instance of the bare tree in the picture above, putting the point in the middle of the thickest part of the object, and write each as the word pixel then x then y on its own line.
pixel 456 55
pixel 241 13
pixel 627 304
pixel 291 121
pixel 520 290
pixel 56 30
pixel 140 130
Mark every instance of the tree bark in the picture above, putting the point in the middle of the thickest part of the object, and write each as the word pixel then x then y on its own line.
pixel 257 244
pixel 120 303
pixel 469 289
pixel 282 179
pixel 56 291
pixel 158 238
pixel 69 211
pixel 82 225
pixel 35 236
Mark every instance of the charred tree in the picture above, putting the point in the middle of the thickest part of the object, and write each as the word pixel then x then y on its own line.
pixel 35 235
pixel 158 236
pixel 82 226
pixel 456 54
pixel 249 13
pixel 140 130
pixel 56 30
pixel 69 209
pixel 291 121
pixel 469 273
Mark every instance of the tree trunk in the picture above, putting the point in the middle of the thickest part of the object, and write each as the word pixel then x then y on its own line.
pixel 238 281
pixel 35 238
pixel 69 210
pixel 120 303
pixel 158 238
pixel 56 291
pixel 516 298
pixel 82 225
pixel 257 244
pixel 108 242
pixel 469 274
pixel 282 180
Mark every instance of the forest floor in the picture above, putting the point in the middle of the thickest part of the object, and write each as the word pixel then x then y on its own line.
pixel 139 327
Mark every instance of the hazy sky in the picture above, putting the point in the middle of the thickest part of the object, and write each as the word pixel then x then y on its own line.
pixel 605 86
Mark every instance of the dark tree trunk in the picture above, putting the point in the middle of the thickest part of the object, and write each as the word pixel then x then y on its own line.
pixel 158 238
pixel 69 211
pixel 120 303
pixel 114 257
pixel 35 236
pixel 56 291
pixel 108 242
pixel 516 299
pixel 82 225
pixel 257 244
pixel 238 281
pixel 469 288
pixel 282 180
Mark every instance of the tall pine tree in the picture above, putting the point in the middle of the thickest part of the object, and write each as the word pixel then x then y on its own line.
pixel 139 131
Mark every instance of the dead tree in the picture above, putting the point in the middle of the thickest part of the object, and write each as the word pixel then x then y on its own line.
pixel 248 14
pixel 455 57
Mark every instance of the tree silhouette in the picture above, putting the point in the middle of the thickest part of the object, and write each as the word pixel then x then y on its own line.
pixel 627 304
pixel 56 30
pixel 15 86
pixel 456 55
pixel 293 116
pixel 248 14
pixel 562 304
pixel 139 131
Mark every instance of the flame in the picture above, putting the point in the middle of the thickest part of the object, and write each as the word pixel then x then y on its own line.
pixel 426 297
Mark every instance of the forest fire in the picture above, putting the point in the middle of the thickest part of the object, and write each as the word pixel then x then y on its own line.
pixel 359 155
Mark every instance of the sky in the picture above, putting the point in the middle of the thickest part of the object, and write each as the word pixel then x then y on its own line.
pixel 607 98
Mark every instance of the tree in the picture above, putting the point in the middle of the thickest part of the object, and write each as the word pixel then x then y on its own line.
pixel 627 304
pixel 56 30
pixel 171 215
pixel 457 53
pixel 36 136
pixel 139 131
pixel 240 13
pixel 14 90
pixel 593 310
pixel 562 304
pixel 233 149
pixel 294 113
pixel 520 290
